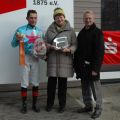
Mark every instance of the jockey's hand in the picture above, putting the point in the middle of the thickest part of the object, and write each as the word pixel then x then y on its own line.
pixel 19 36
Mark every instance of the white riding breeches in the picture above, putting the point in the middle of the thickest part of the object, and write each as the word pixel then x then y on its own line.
pixel 30 72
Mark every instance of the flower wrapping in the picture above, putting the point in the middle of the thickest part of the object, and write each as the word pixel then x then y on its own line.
pixel 39 49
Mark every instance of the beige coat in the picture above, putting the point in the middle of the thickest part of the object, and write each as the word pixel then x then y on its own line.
pixel 60 64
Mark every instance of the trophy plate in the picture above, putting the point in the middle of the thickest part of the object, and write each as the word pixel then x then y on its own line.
pixel 60 42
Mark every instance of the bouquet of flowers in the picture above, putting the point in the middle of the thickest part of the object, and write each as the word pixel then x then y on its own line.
pixel 39 49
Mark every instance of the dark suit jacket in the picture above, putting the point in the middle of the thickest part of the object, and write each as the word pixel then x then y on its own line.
pixel 90 48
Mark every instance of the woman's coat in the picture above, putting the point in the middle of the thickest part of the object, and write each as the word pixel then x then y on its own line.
pixel 60 64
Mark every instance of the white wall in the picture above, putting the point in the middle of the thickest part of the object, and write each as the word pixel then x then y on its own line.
pixel 9 59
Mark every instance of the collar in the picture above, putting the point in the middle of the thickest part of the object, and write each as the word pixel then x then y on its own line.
pixel 90 27
pixel 31 26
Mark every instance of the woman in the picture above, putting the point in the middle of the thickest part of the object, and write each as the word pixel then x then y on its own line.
pixel 59 59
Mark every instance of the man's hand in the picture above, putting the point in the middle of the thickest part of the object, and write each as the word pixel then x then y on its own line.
pixel 94 73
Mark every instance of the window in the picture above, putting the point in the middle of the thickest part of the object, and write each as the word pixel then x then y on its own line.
pixel 110 15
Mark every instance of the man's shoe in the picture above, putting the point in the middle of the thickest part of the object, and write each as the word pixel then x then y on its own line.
pixel 35 109
pixel 48 108
pixel 61 109
pixel 24 109
pixel 85 109
pixel 96 114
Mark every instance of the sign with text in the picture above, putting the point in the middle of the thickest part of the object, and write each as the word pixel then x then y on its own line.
pixel 112 47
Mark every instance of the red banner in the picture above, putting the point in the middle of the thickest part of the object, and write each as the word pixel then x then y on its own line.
pixel 112 47
pixel 11 5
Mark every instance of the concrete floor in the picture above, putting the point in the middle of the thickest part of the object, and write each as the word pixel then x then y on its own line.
pixel 10 104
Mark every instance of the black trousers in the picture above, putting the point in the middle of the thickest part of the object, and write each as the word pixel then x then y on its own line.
pixel 51 90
